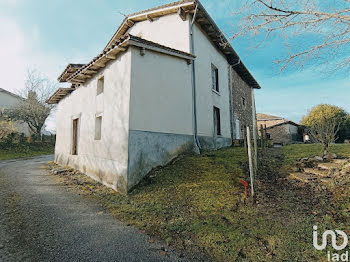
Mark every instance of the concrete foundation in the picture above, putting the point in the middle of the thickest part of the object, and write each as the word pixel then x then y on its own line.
pixel 148 150
pixel 210 143
pixel 108 172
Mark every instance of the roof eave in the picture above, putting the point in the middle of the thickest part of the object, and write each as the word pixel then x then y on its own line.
pixel 227 49
pixel 59 95
pixel 130 20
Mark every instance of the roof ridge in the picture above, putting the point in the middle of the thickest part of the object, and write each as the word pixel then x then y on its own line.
pixel 160 7
pixel 10 93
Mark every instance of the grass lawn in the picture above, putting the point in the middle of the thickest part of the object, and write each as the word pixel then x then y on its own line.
pixel 194 204
pixel 298 151
pixel 20 151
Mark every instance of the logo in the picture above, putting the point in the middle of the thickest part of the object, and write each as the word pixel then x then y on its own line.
pixel 336 244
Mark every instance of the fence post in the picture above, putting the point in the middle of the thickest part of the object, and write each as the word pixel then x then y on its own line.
pixel 262 143
pixel 265 135
pixel 255 131
pixel 255 143
pixel 251 169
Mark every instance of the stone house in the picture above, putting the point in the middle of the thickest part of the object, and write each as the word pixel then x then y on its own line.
pixel 282 131
pixel 7 101
pixel 168 82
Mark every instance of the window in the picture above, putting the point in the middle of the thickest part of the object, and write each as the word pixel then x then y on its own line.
pixel 217 125
pixel 244 102
pixel 238 129
pixel 75 137
pixel 98 127
pixel 215 78
pixel 100 85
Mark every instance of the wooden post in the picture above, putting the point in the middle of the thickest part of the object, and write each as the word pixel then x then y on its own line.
pixel 255 130
pixel 244 138
pixel 255 154
pixel 255 146
pixel 251 171
pixel 262 138
pixel 265 135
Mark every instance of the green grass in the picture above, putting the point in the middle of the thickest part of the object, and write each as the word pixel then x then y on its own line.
pixel 195 204
pixel 298 151
pixel 21 151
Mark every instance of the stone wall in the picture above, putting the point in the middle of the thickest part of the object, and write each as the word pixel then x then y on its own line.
pixel 269 123
pixel 284 134
pixel 241 90
pixel 280 135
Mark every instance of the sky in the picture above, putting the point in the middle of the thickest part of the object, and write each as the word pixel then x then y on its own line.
pixel 47 35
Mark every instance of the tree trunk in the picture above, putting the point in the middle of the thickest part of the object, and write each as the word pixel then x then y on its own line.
pixel 325 149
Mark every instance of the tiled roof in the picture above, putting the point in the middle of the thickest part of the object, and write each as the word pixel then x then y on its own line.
pixel 204 21
pixel 261 116
pixel 161 7
pixel 80 72
pixel 119 44
pixel 10 93
pixel 68 71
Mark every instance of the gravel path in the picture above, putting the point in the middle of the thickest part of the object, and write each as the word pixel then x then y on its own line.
pixel 41 221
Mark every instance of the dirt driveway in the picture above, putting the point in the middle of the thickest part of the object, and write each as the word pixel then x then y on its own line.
pixel 41 221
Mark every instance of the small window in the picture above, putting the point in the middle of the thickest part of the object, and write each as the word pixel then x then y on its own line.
pixel 75 137
pixel 215 78
pixel 217 124
pixel 98 128
pixel 244 102
pixel 100 85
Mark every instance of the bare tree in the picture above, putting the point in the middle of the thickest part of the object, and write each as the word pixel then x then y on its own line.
pixel 33 109
pixel 325 132
pixel 310 29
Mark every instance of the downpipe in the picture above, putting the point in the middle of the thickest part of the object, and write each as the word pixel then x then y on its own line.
pixel 194 82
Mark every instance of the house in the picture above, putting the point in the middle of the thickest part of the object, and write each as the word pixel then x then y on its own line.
pixel 282 131
pixel 9 100
pixel 167 83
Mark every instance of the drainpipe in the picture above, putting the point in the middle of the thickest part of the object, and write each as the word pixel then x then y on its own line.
pixel 194 81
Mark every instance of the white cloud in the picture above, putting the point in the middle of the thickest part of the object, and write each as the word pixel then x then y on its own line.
pixel 20 50
pixel 9 2
pixel 13 58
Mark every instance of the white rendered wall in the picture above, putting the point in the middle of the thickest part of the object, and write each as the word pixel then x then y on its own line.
pixel 8 101
pixel 206 55
pixel 168 30
pixel 161 118
pixel 161 94
pixel 105 160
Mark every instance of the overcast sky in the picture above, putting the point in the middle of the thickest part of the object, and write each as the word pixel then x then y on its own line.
pixel 47 35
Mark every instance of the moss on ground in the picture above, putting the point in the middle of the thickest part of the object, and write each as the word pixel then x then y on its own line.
pixel 194 204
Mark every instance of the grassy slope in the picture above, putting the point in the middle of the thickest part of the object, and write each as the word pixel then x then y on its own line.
pixel 26 151
pixel 194 204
